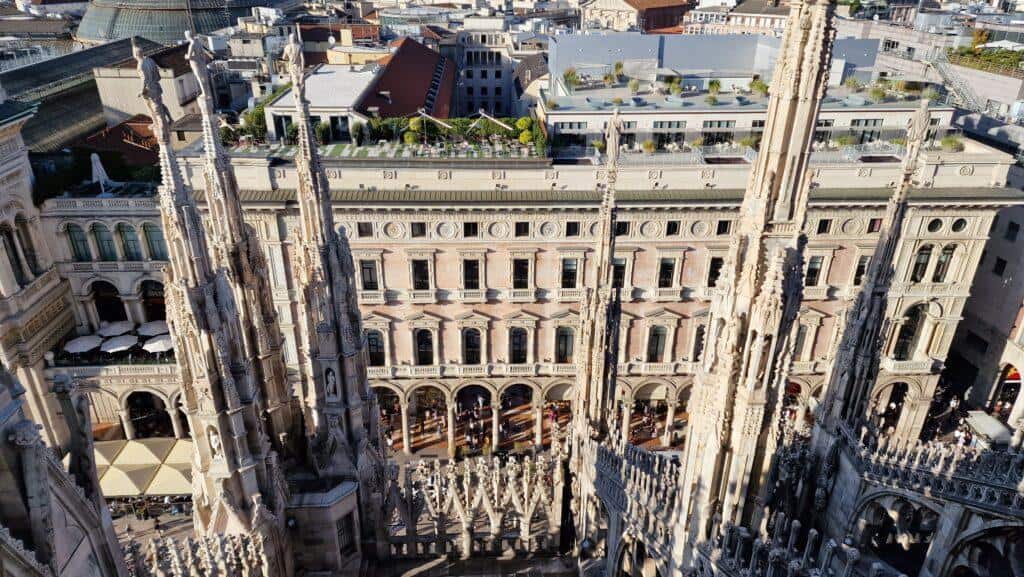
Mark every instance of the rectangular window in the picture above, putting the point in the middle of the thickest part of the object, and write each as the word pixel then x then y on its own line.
pixel 572 228
pixel 874 225
pixel 672 228
pixel 470 230
pixel 814 271
pixel 995 223
pixel 1012 230
pixel 666 272
pixel 715 269
pixel 419 229
pixel 569 270
pixel 471 274
pixel 365 229
pixel 999 267
pixel 522 229
pixel 861 270
pixel 757 124
pixel 520 273
pixel 723 227
pixel 368 272
pixel 621 228
pixel 618 273
pixel 420 275
pixel 824 226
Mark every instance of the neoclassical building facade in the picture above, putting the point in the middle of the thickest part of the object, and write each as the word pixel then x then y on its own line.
pixel 470 274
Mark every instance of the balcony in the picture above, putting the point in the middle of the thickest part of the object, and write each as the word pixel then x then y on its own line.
pixel 472 370
pixel 522 295
pixel 569 295
pixel 379 372
pixel 472 295
pixel 424 371
pixel 372 297
pixel 817 293
pixel 422 297
pixel 671 294
pixel 524 369
pixel 657 368
pixel 926 366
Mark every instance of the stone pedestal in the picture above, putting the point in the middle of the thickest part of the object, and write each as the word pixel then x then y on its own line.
pixel 323 526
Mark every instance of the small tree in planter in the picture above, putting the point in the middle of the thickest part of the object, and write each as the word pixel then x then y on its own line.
pixel 952 143
pixel 552 104
pixel 617 69
pixel 711 99
pixel 714 86
pixel 877 93
pixel 609 80
pixel 617 101
pixel 649 146
pixel 853 83
pixel 675 89
pixel 750 141
pixel 291 134
pixel 571 78
pixel 323 133
pixel 697 142
pixel 410 137
pixel 598 145
pixel 634 86
pixel 759 87
pixel 524 123
pixel 356 130
pixel 525 137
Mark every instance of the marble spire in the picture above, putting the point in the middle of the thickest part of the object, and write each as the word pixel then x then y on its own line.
pixel 238 487
pixel 740 383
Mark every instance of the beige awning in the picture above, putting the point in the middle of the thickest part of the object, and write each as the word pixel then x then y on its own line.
pixel 181 453
pixel 127 480
pixel 171 480
pixel 145 452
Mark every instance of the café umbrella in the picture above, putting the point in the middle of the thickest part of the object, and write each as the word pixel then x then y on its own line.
pixel 152 328
pixel 114 329
pixel 118 344
pixel 159 344
pixel 83 344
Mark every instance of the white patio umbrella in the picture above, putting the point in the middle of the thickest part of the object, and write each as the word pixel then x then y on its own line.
pixel 152 328
pixel 159 344
pixel 114 329
pixel 118 344
pixel 83 344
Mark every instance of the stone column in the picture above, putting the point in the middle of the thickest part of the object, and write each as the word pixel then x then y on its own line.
pixel 179 431
pixel 406 437
pixel 538 425
pixel 495 433
pixel 89 305
pixel 129 426
pixel 8 281
pixel 44 257
pixel 451 430
pixel 670 417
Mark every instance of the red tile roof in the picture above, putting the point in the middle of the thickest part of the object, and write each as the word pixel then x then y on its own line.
pixel 407 80
pixel 318 31
pixel 133 139
pixel 648 4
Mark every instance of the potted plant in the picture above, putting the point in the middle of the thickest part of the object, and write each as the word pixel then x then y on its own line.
pixel 952 143
pixel 609 80
pixel 711 99
pixel 877 93
pixel 714 86
pixel 759 87
pixel 634 86
pixel 599 145
pixel 571 78
pixel 649 146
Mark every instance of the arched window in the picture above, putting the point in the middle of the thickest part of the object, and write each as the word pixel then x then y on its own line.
pixel 564 337
pixel 7 245
pixel 107 299
pixel 79 244
pixel 656 344
pixel 153 302
pixel 375 348
pixel 155 241
pixel 924 255
pixel 104 242
pixel 424 347
pixel 28 248
pixel 129 242
pixel 517 345
pixel 942 266
pixel 471 346
pixel 910 333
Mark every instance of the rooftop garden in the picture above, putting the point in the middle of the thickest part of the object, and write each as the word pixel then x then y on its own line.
pixel 997 60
